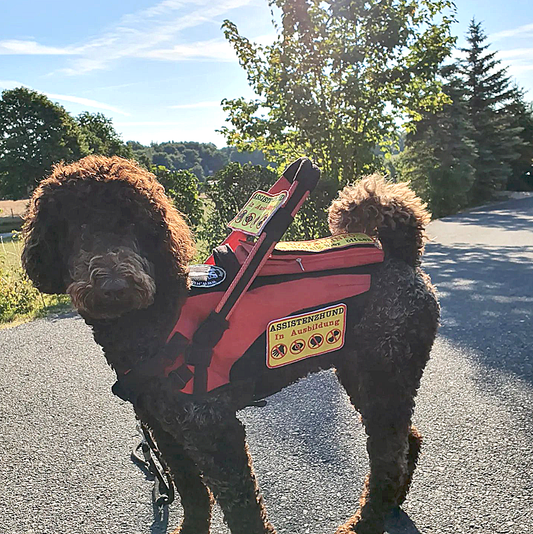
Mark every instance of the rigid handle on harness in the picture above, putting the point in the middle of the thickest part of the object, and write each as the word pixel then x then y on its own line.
pixel 302 171
pixel 303 177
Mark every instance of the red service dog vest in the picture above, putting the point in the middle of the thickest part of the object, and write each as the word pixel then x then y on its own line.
pixel 310 275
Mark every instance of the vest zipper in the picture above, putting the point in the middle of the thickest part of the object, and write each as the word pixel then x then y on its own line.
pixel 299 262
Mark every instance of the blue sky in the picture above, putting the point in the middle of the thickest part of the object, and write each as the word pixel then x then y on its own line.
pixel 160 69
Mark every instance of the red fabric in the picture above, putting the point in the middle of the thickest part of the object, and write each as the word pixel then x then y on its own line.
pixel 257 308
pixel 332 259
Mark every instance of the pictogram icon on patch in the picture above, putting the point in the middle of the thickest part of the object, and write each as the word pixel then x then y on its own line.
pixel 249 219
pixel 315 341
pixel 297 346
pixel 333 336
pixel 279 351
pixel 306 335
pixel 257 212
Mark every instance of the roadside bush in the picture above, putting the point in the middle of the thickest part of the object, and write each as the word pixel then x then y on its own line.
pixel 182 187
pixel 18 297
pixel 17 294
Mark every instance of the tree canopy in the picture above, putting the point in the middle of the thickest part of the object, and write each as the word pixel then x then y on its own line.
pixel 440 154
pixel 336 79
pixel 335 83
pixel 202 159
pixel 478 143
pixel 182 187
pixel 100 135
pixel 35 134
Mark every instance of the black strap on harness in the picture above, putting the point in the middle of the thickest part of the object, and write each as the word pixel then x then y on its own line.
pixel 152 462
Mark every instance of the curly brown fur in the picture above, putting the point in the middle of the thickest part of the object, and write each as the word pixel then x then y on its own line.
pixel 103 230
pixel 391 212
pixel 115 183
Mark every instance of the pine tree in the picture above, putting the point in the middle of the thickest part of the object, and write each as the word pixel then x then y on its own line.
pixel 489 94
pixel 522 118
pixel 439 156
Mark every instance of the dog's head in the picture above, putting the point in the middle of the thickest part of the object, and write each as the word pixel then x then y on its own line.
pixel 103 231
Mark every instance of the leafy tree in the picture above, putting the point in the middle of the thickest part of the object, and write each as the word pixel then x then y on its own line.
pixel 35 134
pixel 490 95
pixel 182 188
pixel 334 83
pixel 162 159
pixel 439 156
pixel 229 190
pixel 254 158
pixel 101 136
pixel 336 78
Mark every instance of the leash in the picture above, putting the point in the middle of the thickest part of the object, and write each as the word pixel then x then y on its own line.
pixel 164 487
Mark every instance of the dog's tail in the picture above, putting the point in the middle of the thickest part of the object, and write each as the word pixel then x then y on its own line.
pixel 390 212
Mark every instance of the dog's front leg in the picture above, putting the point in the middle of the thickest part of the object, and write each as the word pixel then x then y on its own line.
pixel 218 446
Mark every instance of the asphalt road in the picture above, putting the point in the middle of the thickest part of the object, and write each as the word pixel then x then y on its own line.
pixel 65 440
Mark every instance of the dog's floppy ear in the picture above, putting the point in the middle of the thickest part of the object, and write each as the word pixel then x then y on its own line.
pixel 44 231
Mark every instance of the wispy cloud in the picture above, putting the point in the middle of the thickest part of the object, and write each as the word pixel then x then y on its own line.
pixel 86 102
pixel 11 84
pixel 517 53
pixel 522 31
pixel 517 70
pixel 519 64
pixel 20 47
pixel 196 105
pixel 217 49
pixel 154 33
pixel 157 33
pixel 149 123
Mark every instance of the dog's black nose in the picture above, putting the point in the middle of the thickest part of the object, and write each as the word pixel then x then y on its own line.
pixel 114 289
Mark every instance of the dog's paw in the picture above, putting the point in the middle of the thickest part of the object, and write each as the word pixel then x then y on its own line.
pixel 355 525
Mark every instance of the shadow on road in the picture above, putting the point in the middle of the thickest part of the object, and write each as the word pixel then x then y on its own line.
pixel 486 294
pixel 160 523
pixel 511 215
pixel 400 523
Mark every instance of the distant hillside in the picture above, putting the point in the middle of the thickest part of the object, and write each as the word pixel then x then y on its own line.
pixel 203 159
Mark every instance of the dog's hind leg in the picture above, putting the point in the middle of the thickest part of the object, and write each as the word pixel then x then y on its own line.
pixel 196 499
pixel 219 449
pixel 386 406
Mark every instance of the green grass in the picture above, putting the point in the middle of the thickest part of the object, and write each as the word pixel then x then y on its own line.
pixel 19 300
pixel 10 250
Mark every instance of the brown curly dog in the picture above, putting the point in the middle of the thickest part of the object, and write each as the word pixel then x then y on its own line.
pixel 103 231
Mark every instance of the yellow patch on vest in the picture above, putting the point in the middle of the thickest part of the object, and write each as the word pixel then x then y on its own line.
pixel 295 338
pixel 255 214
pixel 326 243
